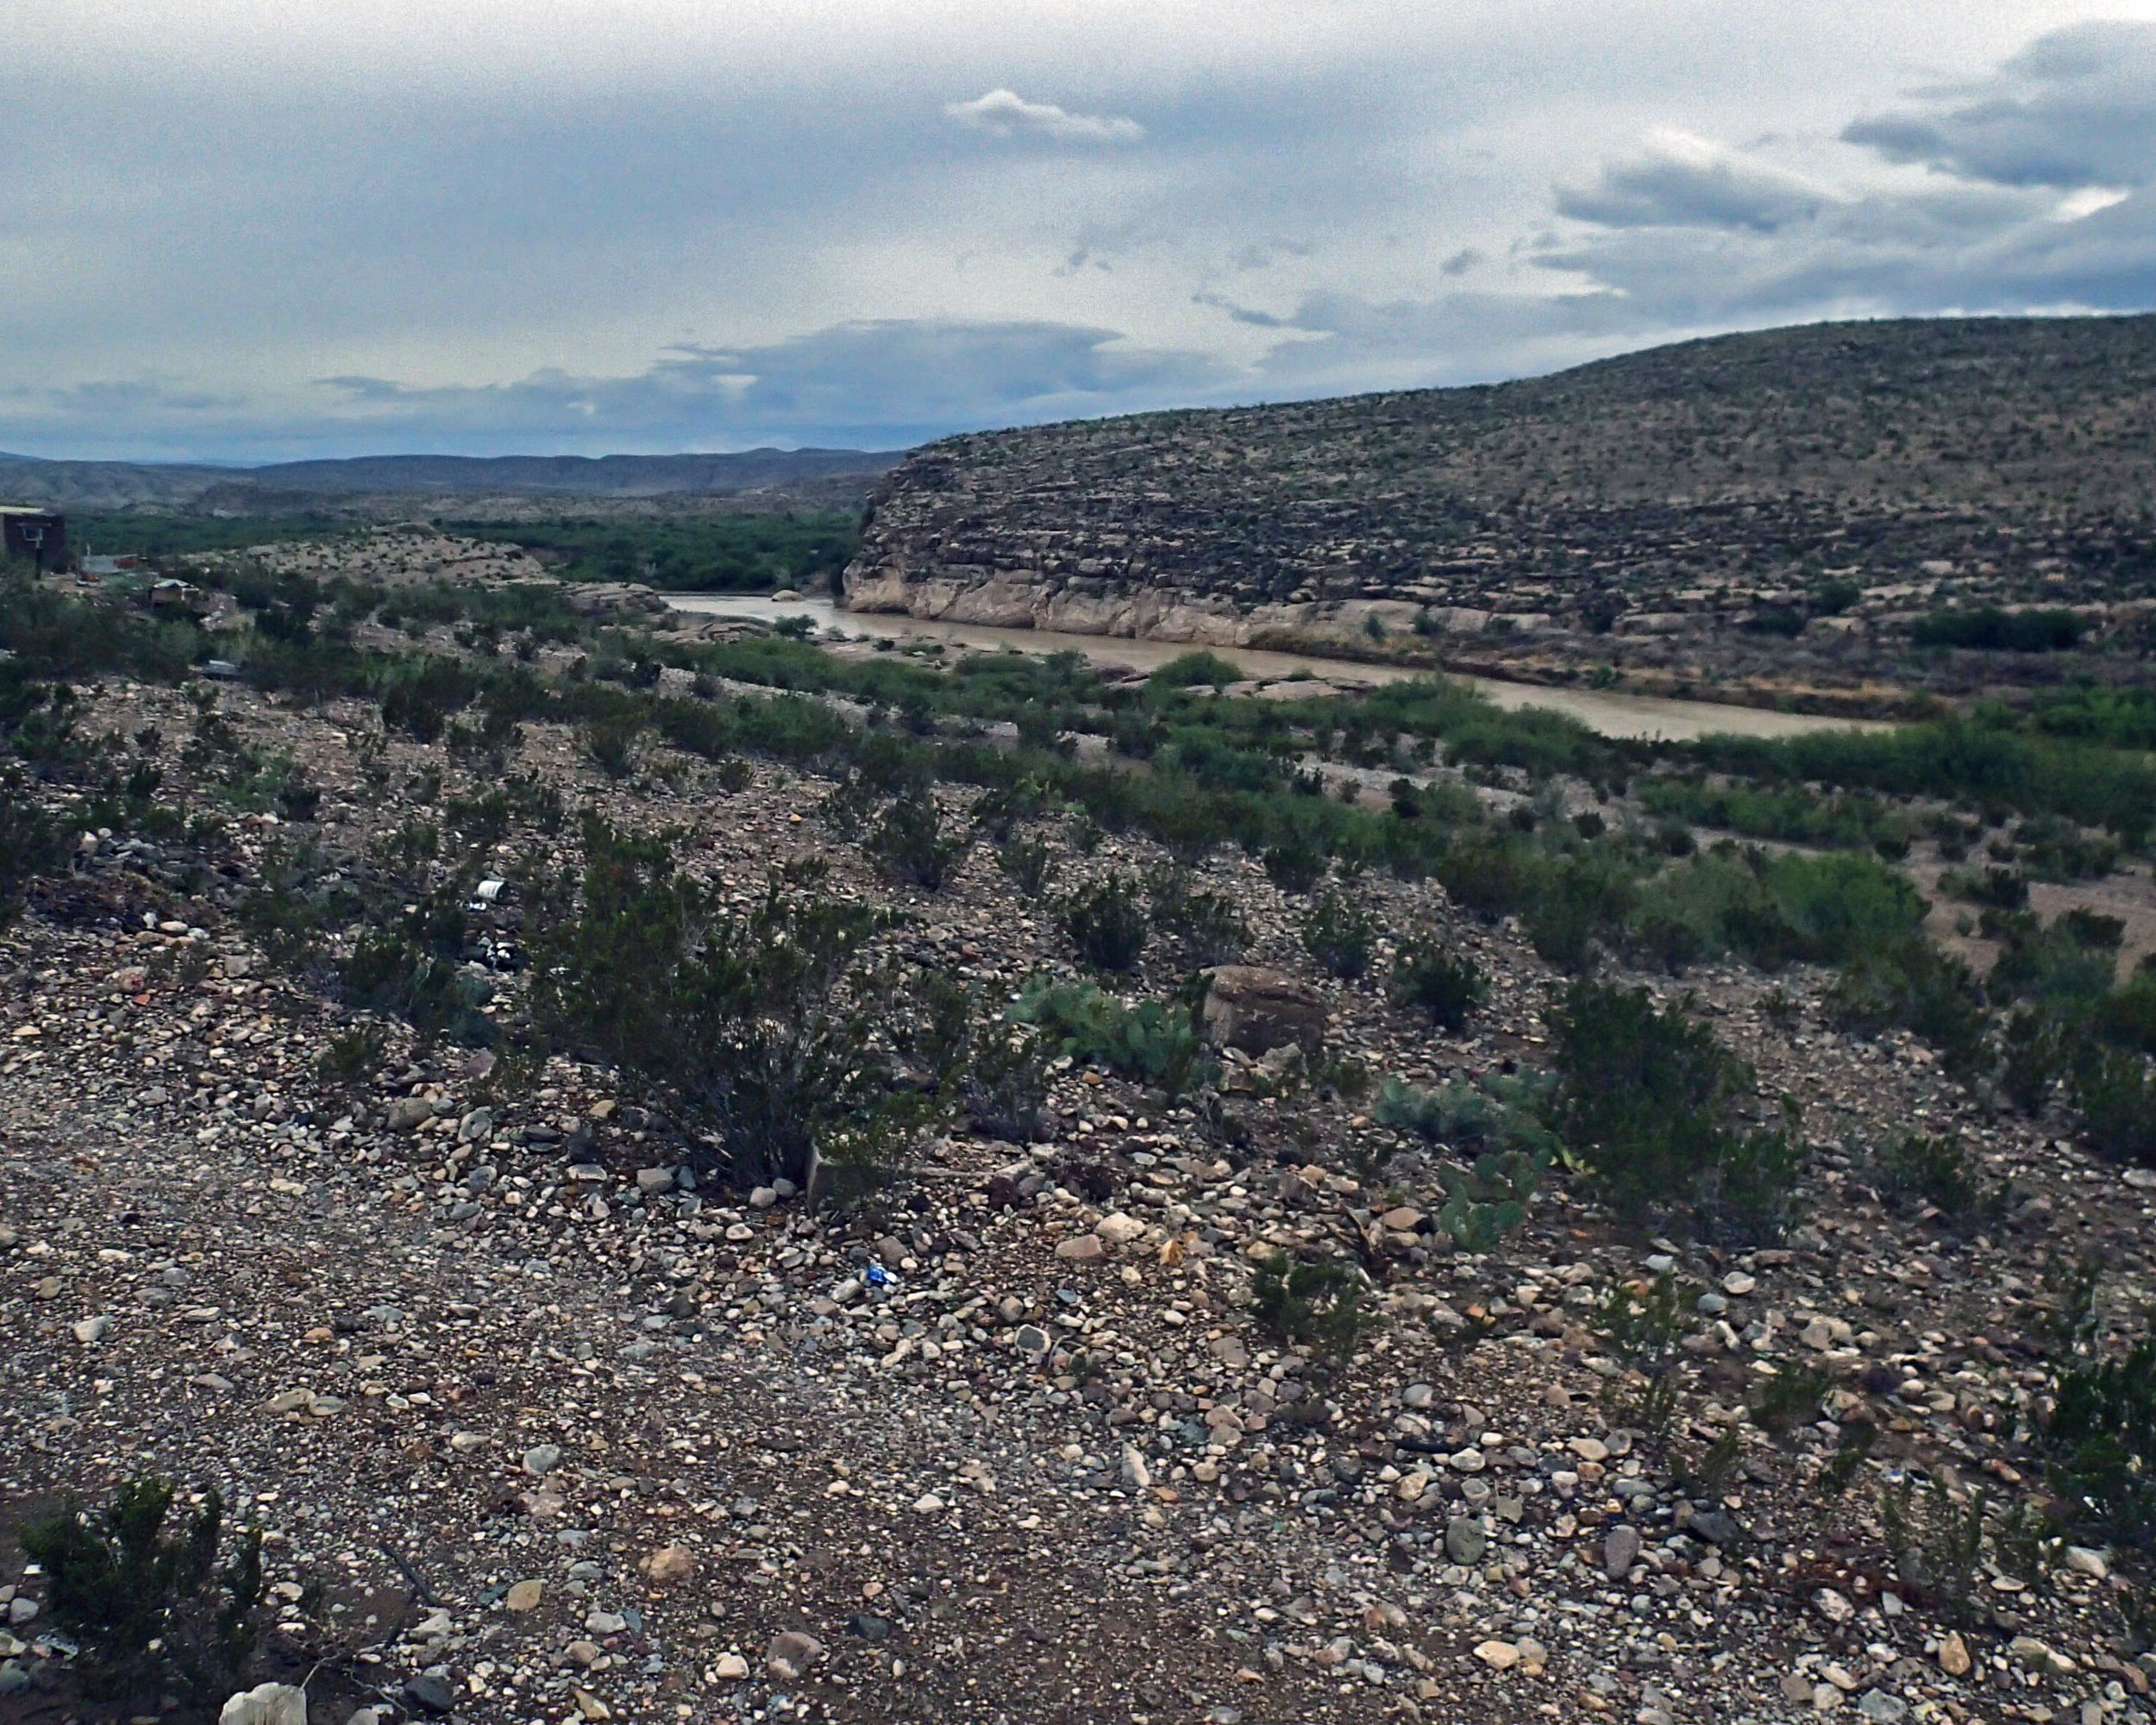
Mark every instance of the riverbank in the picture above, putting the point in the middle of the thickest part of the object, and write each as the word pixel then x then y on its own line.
pixel 1608 713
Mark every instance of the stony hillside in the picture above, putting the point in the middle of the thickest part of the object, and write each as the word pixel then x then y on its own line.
pixel 611 1169
pixel 1649 512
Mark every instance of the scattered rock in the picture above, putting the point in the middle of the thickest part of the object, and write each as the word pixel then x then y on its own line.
pixel 790 1654
pixel 266 1704
pixel 1465 1541
pixel 669 1567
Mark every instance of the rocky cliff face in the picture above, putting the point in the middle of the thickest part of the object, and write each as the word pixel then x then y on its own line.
pixel 1797 494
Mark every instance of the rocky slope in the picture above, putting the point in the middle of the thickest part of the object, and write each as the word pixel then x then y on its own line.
pixel 541 1429
pixel 1767 510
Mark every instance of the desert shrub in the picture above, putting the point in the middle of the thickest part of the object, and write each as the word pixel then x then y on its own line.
pixel 2034 1051
pixel 1487 875
pixel 1773 911
pixel 1839 905
pixel 490 743
pixel 152 1608
pixel 612 744
pixel 1644 1325
pixel 912 843
pixel 1791 1397
pixel 30 842
pixel 2115 1099
pixel 768 1024
pixel 1027 862
pixel 2100 1436
pixel 2050 963
pixel 1106 922
pixel 390 972
pixel 413 843
pixel 1003 1083
pixel 1443 987
pixel 1206 925
pixel 352 1055
pixel 1339 934
pixel 1921 1169
pixel 1295 863
pixel 1912 984
pixel 2126 1017
pixel 2005 889
pixel 1645 1099
pixel 1937 1543
pixel 1315 1302
pixel 1189 670
pixel 1157 1042
pixel 418 696
pixel 1573 902
pixel 1988 629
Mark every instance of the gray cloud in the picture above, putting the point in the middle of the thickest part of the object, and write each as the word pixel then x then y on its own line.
pixel 1687 182
pixel 2077 107
pixel 880 385
pixel 757 228
pixel 1006 114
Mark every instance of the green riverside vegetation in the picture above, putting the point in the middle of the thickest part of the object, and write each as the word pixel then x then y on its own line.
pixel 2064 787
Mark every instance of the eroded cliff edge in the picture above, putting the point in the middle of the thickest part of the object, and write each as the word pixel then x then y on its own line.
pixel 1767 516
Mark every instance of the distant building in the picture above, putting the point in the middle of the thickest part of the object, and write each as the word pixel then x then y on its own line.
pixel 32 536
pixel 172 594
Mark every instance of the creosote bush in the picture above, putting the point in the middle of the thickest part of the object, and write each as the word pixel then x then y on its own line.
pixel 1937 1543
pixel 774 1026
pixel 1340 935
pixel 2101 1439
pixel 29 843
pixel 1444 986
pixel 152 1608
pixel 1028 861
pixel 613 745
pixel 1314 1302
pixel 1921 1169
pixel 2115 1097
pixel 1107 923
pixel 912 843
pixel 1206 925
pixel 1647 1100
pixel 1643 1326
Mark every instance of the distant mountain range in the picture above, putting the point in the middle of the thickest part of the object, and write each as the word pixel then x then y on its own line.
pixel 287 485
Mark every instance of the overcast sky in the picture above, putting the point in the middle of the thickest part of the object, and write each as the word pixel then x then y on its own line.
pixel 247 229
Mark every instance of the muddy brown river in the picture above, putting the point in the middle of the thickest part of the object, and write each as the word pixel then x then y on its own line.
pixel 1609 713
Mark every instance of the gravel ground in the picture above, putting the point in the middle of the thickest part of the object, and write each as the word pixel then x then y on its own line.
pixel 544 1431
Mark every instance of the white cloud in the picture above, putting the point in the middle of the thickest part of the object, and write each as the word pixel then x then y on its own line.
pixel 1006 114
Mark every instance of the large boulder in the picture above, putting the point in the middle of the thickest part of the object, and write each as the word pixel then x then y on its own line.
pixel 1258 1010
